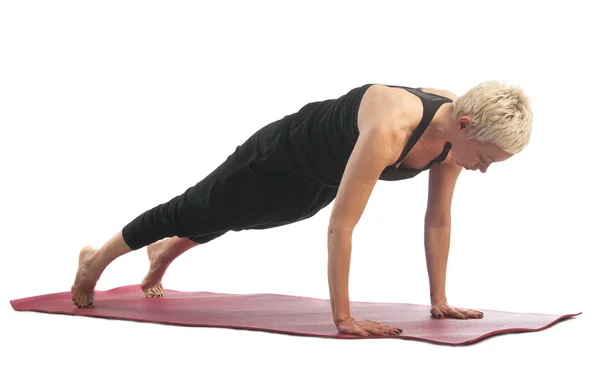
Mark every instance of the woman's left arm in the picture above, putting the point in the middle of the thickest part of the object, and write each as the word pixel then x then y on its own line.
pixel 442 182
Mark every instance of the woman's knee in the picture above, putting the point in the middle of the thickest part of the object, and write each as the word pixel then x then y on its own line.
pixel 203 239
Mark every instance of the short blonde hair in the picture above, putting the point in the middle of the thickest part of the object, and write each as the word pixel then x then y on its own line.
pixel 501 115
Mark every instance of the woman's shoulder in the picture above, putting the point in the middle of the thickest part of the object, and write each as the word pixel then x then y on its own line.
pixel 388 108
pixel 445 93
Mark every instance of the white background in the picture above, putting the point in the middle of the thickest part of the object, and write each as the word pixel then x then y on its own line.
pixel 109 108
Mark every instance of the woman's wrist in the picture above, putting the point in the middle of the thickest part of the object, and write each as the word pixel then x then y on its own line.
pixel 435 300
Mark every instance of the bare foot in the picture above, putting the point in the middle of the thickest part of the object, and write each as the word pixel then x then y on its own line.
pixel 152 283
pixel 82 291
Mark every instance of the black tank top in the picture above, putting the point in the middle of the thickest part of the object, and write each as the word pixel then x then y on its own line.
pixel 323 135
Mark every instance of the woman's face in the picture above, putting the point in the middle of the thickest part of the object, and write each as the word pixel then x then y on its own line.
pixel 474 155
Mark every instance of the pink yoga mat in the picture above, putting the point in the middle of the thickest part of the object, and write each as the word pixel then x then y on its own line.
pixel 285 314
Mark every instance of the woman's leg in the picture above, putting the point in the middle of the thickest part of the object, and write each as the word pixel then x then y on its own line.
pixel 184 216
pixel 305 198
pixel 231 197
pixel 92 263
pixel 161 254
pixel 259 186
pixel 244 201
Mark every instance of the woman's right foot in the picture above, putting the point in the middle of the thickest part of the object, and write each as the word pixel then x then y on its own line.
pixel 152 283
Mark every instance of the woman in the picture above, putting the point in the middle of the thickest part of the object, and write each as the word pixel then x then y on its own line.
pixel 330 150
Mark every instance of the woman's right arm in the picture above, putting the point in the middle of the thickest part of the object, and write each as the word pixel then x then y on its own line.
pixel 375 149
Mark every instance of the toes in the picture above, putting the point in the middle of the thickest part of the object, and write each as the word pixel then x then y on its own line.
pixel 79 300
pixel 154 292
pixel 83 300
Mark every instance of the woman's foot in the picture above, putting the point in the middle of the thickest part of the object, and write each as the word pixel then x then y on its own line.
pixel 82 291
pixel 161 254
pixel 92 263
pixel 152 283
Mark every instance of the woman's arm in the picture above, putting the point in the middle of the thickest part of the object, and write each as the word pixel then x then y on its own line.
pixel 375 149
pixel 442 181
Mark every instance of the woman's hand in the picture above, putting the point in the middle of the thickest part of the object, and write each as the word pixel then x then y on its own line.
pixel 365 328
pixel 443 309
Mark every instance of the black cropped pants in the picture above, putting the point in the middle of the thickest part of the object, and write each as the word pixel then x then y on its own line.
pixel 258 186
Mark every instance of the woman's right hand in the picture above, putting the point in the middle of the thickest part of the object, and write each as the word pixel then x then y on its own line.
pixel 354 326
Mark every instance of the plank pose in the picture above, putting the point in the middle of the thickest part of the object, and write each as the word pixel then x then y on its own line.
pixel 333 151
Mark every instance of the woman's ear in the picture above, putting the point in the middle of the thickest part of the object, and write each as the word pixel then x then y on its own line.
pixel 463 122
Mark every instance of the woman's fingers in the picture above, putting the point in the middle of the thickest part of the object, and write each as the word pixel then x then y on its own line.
pixel 378 329
pixel 455 313
pixel 355 330
pixel 367 328
pixel 445 310
pixel 437 313
pixel 472 314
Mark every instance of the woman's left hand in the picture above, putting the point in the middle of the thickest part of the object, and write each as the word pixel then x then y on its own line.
pixel 443 309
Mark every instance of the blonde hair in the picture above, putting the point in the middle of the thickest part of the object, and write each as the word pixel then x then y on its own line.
pixel 501 115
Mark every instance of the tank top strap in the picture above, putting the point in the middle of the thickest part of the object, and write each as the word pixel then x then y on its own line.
pixel 431 104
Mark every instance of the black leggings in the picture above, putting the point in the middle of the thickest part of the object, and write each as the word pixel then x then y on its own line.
pixel 259 186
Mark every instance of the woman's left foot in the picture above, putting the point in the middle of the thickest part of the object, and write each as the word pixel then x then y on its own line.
pixel 82 291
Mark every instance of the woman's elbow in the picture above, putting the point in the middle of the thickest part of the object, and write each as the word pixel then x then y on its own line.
pixel 438 220
pixel 339 228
